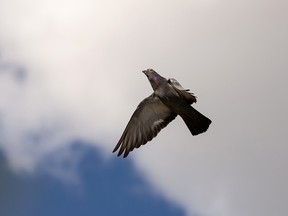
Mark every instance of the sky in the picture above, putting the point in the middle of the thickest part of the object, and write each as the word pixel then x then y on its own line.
pixel 70 72
pixel 98 193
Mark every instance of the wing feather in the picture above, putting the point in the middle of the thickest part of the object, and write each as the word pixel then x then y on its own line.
pixel 146 122
pixel 182 91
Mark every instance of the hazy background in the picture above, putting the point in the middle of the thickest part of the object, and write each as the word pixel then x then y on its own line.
pixel 70 71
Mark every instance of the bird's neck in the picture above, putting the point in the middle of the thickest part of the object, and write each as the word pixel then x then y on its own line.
pixel 156 81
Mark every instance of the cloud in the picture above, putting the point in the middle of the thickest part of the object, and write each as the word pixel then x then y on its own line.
pixel 82 60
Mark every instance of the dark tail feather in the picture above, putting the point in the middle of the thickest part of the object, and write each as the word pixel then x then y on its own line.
pixel 195 121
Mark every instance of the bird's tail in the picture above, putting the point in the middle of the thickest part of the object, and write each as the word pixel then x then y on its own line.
pixel 195 121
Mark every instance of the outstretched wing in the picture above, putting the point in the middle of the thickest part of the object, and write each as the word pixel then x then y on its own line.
pixel 181 91
pixel 146 122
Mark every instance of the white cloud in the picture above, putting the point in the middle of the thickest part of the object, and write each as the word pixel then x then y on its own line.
pixel 84 59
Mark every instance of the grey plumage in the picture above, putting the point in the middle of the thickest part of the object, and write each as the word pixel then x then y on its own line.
pixel 155 112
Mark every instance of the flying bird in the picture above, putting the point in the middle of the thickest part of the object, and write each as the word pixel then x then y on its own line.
pixel 155 112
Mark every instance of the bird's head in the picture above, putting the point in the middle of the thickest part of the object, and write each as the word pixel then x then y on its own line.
pixel 153 77
pixel 148 72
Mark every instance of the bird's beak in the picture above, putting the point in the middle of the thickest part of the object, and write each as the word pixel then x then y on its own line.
pixel 145 72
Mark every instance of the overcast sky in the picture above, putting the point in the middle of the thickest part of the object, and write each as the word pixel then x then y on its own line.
pixel 72 70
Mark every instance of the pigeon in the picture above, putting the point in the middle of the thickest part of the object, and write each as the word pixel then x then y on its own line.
pixel 155 112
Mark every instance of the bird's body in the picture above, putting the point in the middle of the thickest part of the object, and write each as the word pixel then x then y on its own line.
pixel 155 112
